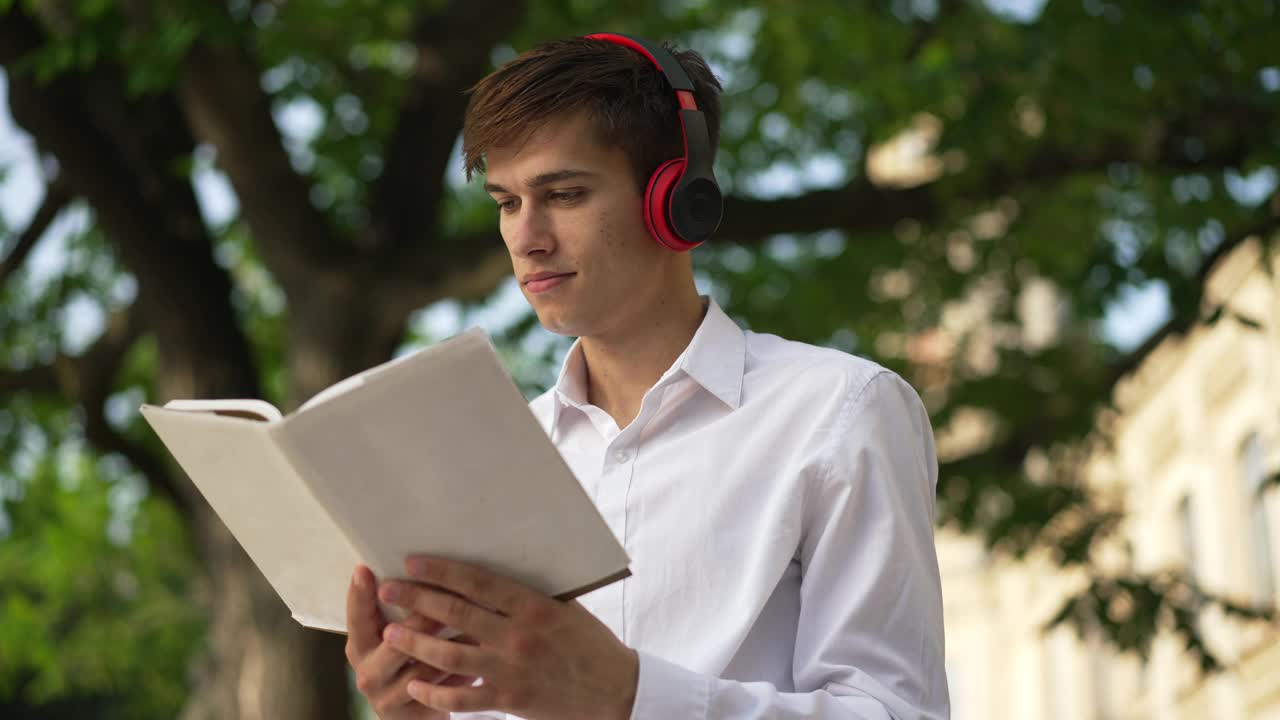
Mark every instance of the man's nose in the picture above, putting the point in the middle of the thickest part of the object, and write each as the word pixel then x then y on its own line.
pixel 533 233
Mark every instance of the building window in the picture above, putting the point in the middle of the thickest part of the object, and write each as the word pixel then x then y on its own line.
pixel 1262 578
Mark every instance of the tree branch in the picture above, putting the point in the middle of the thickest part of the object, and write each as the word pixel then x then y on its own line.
pixel 19 34
pixel 484 263
pixel 222 98
pixel 118 153
pixel 859 207
pixel 40 379
pixel 923 31
pixel 453 53
pixel 97 370
pixel 87 380
pixel 55 199
pixel 1267 223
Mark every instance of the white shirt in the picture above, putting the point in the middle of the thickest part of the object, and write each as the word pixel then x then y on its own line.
pixel 777 502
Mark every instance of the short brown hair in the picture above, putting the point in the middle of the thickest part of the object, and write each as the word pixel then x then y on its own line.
pixel 631 104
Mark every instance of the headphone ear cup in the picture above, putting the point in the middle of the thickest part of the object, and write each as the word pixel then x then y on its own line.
pixel 657 205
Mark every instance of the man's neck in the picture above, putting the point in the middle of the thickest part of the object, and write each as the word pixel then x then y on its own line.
pixel 622 367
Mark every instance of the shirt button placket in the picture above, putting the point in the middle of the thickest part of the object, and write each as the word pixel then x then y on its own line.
pixel 619 470
pixel 612 503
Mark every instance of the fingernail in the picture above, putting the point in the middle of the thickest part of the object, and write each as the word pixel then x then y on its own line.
pixel 390 593
pixel 393 633
pixel 418 565
pixel 416 688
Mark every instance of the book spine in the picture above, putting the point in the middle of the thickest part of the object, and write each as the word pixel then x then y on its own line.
pixel 297 461
pixel 308 473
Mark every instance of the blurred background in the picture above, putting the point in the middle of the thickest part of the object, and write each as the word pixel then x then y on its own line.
pixel 1057 219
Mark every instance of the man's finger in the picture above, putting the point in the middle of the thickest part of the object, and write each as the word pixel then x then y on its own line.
pixel 396 695
pixel 424 624
pixel 364 620
pixel 474 583
pixel 455 657
pixel 453 699
pixel 453 611
pixel 376 670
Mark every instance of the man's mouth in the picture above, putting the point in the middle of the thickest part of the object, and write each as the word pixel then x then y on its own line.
pixel 542 282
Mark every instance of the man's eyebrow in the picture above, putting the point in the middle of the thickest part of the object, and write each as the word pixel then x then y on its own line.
pixel 545 178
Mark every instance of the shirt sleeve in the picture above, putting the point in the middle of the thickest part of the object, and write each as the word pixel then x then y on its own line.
pixel 869 643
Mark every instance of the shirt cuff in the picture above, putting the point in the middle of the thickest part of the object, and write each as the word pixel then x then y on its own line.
pixel 666 691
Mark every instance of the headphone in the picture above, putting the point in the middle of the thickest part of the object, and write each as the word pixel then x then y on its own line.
pixel 682 202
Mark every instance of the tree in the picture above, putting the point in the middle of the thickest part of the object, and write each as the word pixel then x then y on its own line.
pixel 1074 153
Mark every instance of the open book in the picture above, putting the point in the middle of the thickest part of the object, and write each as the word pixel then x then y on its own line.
pixel 434 452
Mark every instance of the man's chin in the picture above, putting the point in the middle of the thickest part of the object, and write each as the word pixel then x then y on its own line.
pixel 554 321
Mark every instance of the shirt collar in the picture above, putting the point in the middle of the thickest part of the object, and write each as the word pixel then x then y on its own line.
pixel 716 356
pixel 715 359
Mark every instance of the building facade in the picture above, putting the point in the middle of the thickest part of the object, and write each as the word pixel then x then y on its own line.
pixel 1196 440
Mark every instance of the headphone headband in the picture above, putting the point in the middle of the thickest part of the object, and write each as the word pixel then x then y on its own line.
pixel 657 55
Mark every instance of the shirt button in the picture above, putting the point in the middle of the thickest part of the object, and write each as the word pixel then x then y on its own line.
pixel 622 456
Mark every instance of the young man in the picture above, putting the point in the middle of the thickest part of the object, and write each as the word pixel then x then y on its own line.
pixel 776 498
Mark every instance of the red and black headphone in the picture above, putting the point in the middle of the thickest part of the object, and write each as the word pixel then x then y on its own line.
pixel 682 202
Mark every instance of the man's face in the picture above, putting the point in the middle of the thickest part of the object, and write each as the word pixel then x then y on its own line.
pixel 569 205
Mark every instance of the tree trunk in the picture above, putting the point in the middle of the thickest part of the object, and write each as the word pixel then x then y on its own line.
pixel 118 151
pixel 258 663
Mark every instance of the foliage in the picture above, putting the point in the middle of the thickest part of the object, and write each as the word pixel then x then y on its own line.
pixel 95 599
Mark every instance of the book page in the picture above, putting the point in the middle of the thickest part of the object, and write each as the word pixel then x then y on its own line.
pixel 334 390
pixel 440 454
pixel 236 465
pixel 348 384
pixel 241 407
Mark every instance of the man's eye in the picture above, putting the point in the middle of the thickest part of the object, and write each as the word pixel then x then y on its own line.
pixel 565 196
pixel 507 206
